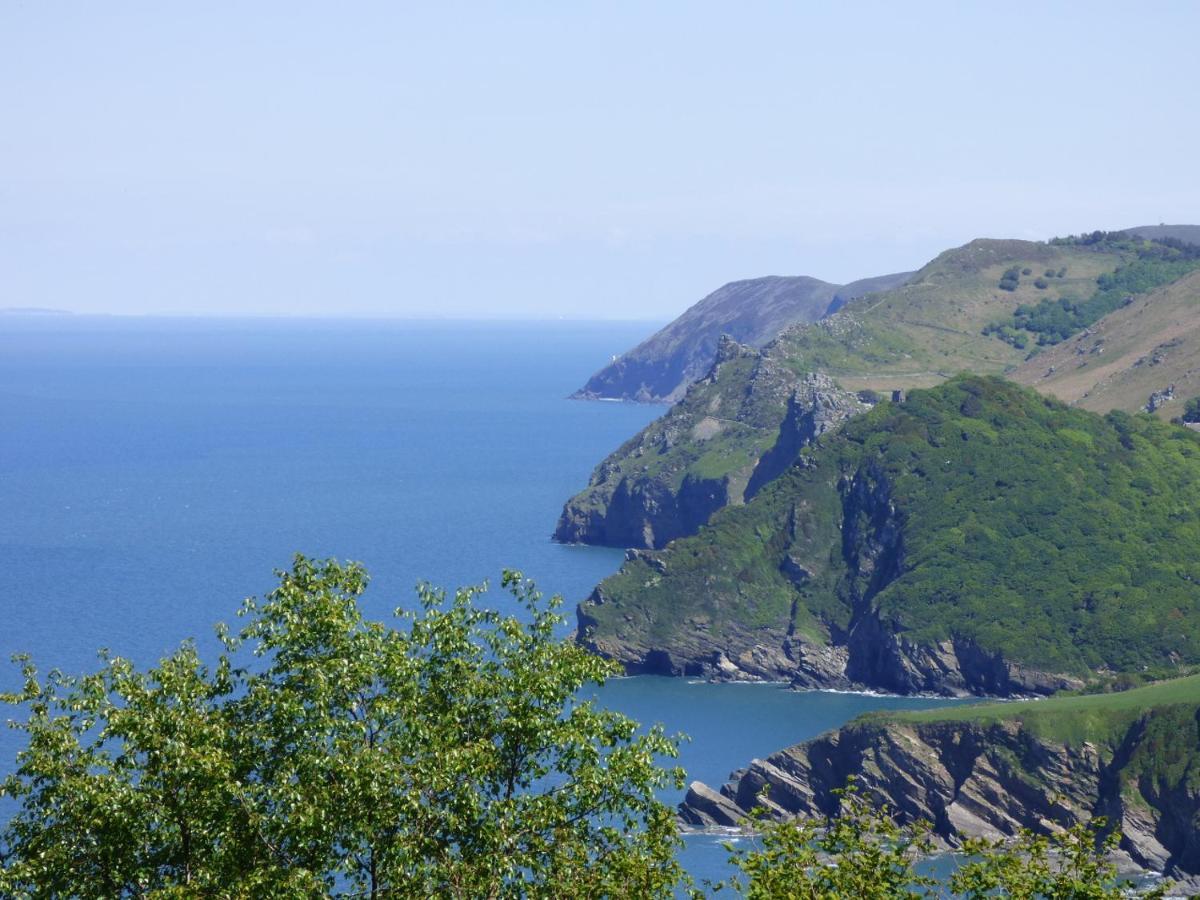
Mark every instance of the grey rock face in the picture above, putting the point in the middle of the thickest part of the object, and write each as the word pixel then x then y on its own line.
pixel 969 780
pixel 628 506
pixel 871 653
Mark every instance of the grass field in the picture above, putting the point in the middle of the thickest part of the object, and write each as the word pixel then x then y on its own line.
pixel 1071 718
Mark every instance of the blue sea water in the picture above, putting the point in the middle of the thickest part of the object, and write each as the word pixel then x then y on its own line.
pixel 153 472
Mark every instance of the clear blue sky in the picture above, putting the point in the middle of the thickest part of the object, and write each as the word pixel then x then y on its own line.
pixel 570 159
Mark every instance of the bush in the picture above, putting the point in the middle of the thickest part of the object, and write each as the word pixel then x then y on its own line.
pixel 1041 284
pixel 1027 271
pixel 1191 410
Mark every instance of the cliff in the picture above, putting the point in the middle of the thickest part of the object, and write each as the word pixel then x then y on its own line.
pixel 974 539
pixel 668 480
pixel 741 425
pixel 987 771
pixel 752 312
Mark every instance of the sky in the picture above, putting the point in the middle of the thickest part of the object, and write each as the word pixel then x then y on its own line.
pixel 578 160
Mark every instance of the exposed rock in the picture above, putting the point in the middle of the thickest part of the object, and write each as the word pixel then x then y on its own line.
pixel 973 779
pixel 653 506
pixel 1160 398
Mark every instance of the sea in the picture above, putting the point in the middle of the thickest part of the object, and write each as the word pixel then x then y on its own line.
pixel 156 471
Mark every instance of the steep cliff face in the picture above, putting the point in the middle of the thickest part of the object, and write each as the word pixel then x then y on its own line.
pixel 741 426
pixel 975 539
pixel 988 773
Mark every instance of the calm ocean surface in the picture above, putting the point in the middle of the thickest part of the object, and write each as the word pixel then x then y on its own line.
pixel 153 472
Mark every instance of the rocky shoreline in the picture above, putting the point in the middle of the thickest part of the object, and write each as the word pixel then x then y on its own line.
pixel 981 779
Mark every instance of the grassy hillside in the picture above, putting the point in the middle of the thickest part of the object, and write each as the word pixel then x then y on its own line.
pixel 1069 718
pixel 932 328
pixel 975 512
pixel 752 312
pixel 1131 353
pixel 916 335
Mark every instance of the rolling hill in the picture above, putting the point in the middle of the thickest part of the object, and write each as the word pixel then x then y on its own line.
pixel 752 312
pixel 720 443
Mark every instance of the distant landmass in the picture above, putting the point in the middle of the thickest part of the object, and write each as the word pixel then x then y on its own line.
pixel 33 311
pixel 752 312
pixel 1187 233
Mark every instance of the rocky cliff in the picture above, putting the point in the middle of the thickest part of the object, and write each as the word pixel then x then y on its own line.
pixel 752 312
pixel 701 455
pixel 990 771
pixel 973 539
pixel 646 495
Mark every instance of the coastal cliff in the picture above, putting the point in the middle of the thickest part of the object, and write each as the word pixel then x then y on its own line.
pixel 645 495
pixel 975 539
pixel 988 771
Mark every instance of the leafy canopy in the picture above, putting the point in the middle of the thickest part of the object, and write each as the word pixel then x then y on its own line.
pixel 450 756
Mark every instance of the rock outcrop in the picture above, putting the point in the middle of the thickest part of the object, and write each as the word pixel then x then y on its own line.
pixel 990 778
pixel 643 495
pixel 925 547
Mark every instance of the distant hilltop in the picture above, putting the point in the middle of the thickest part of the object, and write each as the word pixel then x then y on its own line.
pixel 752 312
pixel 33 311
pixel 1189 234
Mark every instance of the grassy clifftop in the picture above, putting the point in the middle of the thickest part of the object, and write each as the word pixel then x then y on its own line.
pixel 975 526
pixel 1071 718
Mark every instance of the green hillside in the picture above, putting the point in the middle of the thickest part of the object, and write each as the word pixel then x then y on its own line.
pixel 708 446
pixel 976 514
pixel 1101 719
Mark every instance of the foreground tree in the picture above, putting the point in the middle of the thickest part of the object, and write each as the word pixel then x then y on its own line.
pixel 450 756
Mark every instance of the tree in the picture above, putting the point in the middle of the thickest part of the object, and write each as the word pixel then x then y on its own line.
pixel 1191 410
pixel 451 756
pixel 859 852
pixel 1074 864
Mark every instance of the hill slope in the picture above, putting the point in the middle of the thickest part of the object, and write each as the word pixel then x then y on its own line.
pixel 903 550
pixel 752 312
pixel 1132 757
pixel 1187 233
pixel 1137 351
pixel 668 479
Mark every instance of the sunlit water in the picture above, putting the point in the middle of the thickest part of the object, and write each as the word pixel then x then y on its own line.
pixel 155 472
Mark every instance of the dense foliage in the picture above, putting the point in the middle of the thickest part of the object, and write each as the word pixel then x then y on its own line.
pixel 449 757
pixel 976 510
pixel 1051 320
pixel 1191 411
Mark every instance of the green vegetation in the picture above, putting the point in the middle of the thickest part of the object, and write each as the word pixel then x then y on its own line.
pixel 1050 321
pixel 1011 279
pixel 450 757
pixel 1103 719
pixel 916 335
pixel 862 852
pixel 1191 411
pixel 976 511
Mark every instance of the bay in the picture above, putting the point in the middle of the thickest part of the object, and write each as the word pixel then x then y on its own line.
pixel 153 472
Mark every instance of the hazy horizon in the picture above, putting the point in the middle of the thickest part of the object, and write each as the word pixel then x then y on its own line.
pixel 587 162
